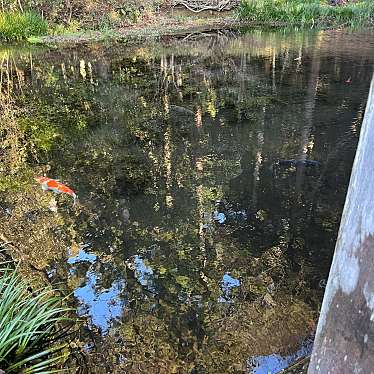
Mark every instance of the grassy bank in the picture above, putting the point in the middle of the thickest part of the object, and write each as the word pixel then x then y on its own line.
pixel 97 20
pixel 307 13
pixel 15 25
pixel 20 19
pixel 29 326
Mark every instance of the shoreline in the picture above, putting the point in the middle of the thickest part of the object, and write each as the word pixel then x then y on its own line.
pixel 138 33
pixel 176 22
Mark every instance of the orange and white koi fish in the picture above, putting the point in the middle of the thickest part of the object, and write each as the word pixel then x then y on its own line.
pixel 49 184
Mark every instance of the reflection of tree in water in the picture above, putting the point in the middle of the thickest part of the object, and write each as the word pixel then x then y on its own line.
pixel 158 145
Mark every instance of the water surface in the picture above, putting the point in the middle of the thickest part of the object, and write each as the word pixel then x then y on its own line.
pixel 211 172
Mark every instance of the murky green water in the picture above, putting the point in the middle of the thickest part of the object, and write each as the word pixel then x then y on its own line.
pixel 205 230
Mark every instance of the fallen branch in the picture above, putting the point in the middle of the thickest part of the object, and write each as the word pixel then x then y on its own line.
pixel 197 7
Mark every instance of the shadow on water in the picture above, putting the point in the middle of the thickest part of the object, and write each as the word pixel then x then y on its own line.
pixel 211 175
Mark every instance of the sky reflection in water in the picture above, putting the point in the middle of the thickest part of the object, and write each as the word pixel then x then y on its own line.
pixel 144 273
pixel 227 284
pixel 101 305
pixel 275 363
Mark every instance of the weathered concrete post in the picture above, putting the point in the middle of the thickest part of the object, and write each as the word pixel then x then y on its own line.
pixel 344 340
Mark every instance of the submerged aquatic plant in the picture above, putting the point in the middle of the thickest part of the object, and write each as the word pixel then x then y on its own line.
pixel 30 327
pixel 18 26
pixel 307 13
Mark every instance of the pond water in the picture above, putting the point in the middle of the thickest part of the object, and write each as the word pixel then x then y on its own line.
pixel 211 172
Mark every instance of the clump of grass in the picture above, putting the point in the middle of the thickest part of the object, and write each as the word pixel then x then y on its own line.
pixel 29 326
pixel 58 29
pixel 18 26
pixel 307 13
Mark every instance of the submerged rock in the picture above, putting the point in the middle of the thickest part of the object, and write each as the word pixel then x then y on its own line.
pixel 181 110
pixel 268 301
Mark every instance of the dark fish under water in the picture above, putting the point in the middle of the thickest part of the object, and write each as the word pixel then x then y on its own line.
pixel 298 163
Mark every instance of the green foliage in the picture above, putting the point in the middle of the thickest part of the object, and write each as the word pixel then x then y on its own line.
pixel 131 13
pixel 308 13
pixel 28 325
pixel 18 26
pixel 42 133
pixel 59 29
